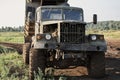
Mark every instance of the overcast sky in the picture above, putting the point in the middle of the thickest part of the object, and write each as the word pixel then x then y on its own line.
pixel 12 11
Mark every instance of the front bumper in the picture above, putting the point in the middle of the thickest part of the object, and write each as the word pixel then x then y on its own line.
pixel 91 46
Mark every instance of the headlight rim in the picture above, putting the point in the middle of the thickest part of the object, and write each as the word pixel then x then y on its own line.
pixel 93 37
pixel 48 36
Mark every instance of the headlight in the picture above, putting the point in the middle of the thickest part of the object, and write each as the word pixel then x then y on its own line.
pixel 48 36
pixel 93 37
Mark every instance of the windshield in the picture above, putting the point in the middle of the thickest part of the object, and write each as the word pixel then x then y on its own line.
pixel 61 14
pixel 51 14
pixel 72 14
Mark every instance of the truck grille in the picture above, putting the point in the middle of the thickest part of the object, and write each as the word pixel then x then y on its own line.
pixel 72 33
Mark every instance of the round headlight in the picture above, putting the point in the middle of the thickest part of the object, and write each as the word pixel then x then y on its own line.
pixel 93 37
pixel 48 36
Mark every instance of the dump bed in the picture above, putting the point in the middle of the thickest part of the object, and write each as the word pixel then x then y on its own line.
pixel 47 2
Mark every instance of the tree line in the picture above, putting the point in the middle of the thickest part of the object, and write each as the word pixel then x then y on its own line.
pixel 11 29
pixel 104 25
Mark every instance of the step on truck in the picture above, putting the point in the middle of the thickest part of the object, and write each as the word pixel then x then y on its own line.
pixel 55 36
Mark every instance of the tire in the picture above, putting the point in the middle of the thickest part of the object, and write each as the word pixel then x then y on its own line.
pixel 26 49
pixel 96 65
pixel 37 61
pixel 62 64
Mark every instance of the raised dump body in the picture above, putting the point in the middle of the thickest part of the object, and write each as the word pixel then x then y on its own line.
pixel 48 2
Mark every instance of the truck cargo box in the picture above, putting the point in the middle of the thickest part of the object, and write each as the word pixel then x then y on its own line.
pixel 48 2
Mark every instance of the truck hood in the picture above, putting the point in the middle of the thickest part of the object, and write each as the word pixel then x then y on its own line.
pixel 61 21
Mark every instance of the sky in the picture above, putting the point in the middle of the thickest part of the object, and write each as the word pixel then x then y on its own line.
pixel 12 11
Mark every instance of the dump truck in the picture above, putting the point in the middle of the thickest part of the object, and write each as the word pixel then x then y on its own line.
pixel 55 36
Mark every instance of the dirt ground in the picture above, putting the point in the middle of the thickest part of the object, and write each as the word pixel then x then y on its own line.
pixel 17 47
pixel 80 73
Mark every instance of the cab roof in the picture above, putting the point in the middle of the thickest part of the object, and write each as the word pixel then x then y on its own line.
pixel 58 7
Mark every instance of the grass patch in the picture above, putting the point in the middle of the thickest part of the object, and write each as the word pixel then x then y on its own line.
pixel 12 67
pixel 12 37
pixel 10 34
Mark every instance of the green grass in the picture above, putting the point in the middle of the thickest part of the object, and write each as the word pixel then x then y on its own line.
pixel 112 34
pixel 12 37
pixel 8 34
pixel 12 67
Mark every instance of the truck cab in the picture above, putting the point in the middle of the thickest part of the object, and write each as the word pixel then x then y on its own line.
pixel 59 25
pixel 64 26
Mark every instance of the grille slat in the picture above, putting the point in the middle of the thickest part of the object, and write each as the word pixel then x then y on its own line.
pixel 72 33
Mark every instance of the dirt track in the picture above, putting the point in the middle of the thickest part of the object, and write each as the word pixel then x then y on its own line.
pixel 17 47
pixel 80 73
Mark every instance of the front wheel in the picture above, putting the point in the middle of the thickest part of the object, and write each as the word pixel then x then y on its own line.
pixel 96 64
pixel 37 62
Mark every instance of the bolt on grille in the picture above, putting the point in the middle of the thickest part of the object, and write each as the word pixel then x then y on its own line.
pixel 72 33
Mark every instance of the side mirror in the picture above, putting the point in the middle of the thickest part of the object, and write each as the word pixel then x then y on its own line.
pixel 94 18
